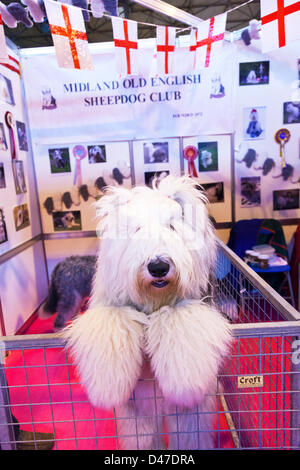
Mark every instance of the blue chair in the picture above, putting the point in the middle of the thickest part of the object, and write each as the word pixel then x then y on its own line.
pixel 287 278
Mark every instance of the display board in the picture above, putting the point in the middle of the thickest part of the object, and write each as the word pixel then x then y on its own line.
pixel 17 188
pixel 133 125
pixel 71 177
pixel 267 186
pixel 23 273
pixel 71 105
pixel 245 94
pixel 213 167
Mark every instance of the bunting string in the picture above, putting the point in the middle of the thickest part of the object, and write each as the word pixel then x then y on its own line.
pixel 203 38
pixel 178 29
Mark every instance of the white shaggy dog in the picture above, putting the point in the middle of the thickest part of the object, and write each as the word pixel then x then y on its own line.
pixel 150 317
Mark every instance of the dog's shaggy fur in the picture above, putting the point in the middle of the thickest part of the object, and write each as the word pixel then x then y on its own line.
pixel 70 287
pixel 150 317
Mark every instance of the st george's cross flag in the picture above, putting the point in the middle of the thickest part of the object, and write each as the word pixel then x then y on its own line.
pixel 280 23
pixel 165 48
pixel 207 40
pixel 126 46
pixel 3 48
pixel 69 35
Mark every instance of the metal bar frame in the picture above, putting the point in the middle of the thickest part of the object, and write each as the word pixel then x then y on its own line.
pixel 289 312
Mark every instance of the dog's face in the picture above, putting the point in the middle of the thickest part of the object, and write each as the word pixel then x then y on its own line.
pixel 206 158
pixel 57 154
pixel 157 245
pixel 68 220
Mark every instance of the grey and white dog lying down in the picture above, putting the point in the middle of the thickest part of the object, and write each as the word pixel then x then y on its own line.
pixel 70 287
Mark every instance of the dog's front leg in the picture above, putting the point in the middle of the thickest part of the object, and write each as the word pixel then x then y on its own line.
pixel 191 428
pixel 106 345
pixel 139 421
pixel 186 344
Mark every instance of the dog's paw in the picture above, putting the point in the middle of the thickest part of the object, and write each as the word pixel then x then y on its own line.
pixel 106 344
pixel 186 344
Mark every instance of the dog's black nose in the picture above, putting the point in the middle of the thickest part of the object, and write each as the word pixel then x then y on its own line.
pixel 158 268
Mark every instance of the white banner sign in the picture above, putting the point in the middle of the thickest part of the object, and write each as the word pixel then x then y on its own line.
pixel 68 105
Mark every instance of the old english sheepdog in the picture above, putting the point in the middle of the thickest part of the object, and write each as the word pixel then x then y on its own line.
pixel 69 290
pixel 151 343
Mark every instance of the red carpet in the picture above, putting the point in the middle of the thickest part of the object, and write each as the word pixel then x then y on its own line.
pixel 44 390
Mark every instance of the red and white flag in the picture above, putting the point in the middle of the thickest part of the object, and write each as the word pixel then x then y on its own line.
pixel 165 47
pixel 11 63
pixel 3 48
pixel 69 35
pixel 280 23
pixel 207 41
pixel 126 46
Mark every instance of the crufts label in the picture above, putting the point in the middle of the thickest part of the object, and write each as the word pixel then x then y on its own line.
pixel 247 381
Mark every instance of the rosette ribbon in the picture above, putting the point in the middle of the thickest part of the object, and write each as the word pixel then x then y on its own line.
pixel 190 153
pixel 282 136
pixel 79 152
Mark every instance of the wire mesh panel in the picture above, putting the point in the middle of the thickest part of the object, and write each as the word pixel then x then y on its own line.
pixel 261 388
pixel 243 296
pixel 46 407
pixel 49 404
pixel 255 403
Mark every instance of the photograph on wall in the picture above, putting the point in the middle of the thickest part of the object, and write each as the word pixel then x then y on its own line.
pixel 60 160
pixel 6 90
pixel 3 230
pixel 254 123
pixel 97 153
pixel 285 199
pixel 150 176
pixel 3 143
pixel 2 176
pixel 254 73
pixel 217 89
pixel 48 100
pixel 156 152
pixel 21 217
pixel 291 112
pixel 208 156
pixel 250 191
pixel 66 220
pixel 214 192
pixel 21 130
pixel 19 176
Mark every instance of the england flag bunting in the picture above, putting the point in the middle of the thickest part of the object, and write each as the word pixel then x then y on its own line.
pixel 69 35
pixel 207 40
pixel 3 49
pixel 12 64
pixel 280 23
pixel 165 47
pixel 126 46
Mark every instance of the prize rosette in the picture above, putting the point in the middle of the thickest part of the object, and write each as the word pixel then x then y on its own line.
pixel 190 153
pixel 282 136
pixel 79 152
